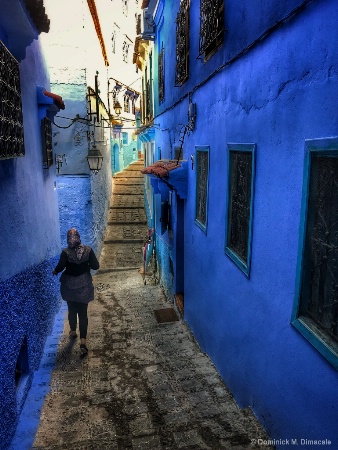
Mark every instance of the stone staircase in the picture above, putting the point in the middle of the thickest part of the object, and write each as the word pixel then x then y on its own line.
pixel 127 225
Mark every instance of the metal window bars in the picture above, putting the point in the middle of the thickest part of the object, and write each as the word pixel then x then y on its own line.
pixel 11 119
pixel 211 27
pixel 182 43
pixel 161 75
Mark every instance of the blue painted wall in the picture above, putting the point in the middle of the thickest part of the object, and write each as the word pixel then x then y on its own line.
pixel 101 189
pixel 123 154
pixel 75 207
pixel 30 236
pixel 83 196
pixel 83 203
pixel 274 92
pixel 71 140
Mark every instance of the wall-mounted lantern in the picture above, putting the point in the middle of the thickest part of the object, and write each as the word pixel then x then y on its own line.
pixel 95 159
pixel 118 108
pixel 59 160
pixel 191 114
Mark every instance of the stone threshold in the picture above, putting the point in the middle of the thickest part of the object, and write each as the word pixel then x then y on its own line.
pixel 126 207
pixel 128 223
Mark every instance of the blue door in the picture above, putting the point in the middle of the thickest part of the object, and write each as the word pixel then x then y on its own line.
pixel 116 158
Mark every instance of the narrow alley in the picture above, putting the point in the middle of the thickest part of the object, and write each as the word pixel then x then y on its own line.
pixel 204 132
pixel 145 383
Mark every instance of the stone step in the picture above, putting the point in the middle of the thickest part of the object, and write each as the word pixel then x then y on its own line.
pixel 135 168
pixel 121 255
pixel 125 182
pixel 126 215
pixel 127 200
pixel 130 174
pixel 128 190
pixel 125 207
pixel 131 231
pixel 124 241
pixel 116 269
pixel 126 223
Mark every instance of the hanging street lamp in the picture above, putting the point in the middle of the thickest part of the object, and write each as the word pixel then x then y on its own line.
pixel 117 108
pixel 94 159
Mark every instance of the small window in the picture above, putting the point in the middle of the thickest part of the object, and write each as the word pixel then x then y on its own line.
pixel 11 119
pixel 46 138
pixel 240 204
pixel 211 27
pixel 315 312
pixel 125 7
pixel 113 41
pixel 126 103
pixel 202 180
pixel 161 75
pixel 125 50
pixel 124 138
pixel 182 43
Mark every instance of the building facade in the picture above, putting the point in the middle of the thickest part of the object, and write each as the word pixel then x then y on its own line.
pixel 241 184
pixel 87 51
pixel 29 217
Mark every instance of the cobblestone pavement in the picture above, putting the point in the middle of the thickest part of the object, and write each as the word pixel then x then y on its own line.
pixel 145 385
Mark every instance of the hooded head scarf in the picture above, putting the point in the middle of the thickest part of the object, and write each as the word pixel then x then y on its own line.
pixel 74 242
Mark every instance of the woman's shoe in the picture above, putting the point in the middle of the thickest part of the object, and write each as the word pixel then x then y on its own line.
pixel 72 334
pixel 83 349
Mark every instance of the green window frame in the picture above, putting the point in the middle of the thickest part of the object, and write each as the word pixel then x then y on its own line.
pixel 315 309
pixel 202 186
pixel 240 194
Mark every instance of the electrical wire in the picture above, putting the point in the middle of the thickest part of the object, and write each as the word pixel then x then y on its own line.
pixel 76 119
pixel 68 126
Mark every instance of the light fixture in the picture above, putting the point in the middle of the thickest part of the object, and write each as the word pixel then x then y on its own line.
pixel 191 114
pixel 59 160
pixel 114 93
pixel 117 108
pixel 94 159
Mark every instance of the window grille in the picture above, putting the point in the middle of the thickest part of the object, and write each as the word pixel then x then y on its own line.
pixel 202 178
pixel 125 7
pixel 138 24
pixel 240 197
pixel 46 139
pixel 11 119
pixel 161 75
pixel 125 50
pixel 115 96
pixel 316 309
pixel 211 26
pixel 182 43
pixel 113 41
pixel 124 138
pixel 148 101
pixel 143 99
pixel 126 104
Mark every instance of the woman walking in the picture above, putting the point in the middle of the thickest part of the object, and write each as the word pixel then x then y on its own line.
pixel 76 283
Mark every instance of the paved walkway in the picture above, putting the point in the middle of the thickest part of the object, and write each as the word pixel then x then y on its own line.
pixel 145 384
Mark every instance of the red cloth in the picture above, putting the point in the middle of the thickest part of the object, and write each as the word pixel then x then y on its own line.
pixel 57 99
pixel 161 169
